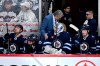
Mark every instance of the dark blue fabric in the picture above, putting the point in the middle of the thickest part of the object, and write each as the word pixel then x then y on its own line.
pixel 90 40
pixel 19 42
pixel 64 37
pixel 93 26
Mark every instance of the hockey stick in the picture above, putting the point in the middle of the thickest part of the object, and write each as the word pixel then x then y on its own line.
pixel 75 28
pixel 8 38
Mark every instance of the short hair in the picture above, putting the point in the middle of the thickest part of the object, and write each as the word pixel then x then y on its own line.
pixel 66 5
pixel 90 11
pixel 20 26
pixel 58 12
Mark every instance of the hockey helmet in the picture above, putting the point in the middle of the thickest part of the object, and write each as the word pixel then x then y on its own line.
pixel 32 37
pixel 20 26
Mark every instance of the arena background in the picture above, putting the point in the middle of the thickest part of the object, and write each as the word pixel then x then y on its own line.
pixel 29 27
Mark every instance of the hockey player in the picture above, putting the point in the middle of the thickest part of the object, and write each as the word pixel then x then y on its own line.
pixel 84 42
pixel 32 46
pixel 58 42
pixel 15 40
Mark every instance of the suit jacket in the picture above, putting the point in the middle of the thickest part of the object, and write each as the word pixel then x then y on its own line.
pixel 47 25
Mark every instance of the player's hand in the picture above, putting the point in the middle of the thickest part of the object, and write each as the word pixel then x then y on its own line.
pixel 46 36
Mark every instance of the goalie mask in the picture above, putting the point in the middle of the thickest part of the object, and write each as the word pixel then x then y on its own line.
pixel 58 29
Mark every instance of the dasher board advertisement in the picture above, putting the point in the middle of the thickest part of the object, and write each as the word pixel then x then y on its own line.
pixel 49 60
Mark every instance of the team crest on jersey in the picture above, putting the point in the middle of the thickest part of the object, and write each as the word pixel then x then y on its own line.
pixel 84 46
pixel 13 48
pixel 57 43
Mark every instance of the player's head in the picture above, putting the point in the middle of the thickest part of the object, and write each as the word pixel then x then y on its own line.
pixel 58 29
pixel 18 28
pixel 85 30
pixel 32 39
pixel 58 14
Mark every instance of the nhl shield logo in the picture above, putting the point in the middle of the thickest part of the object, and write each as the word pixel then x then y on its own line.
pixel 57 44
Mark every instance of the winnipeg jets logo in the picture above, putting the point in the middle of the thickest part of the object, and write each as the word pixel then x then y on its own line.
pixel 57 43
pixel 13 48
pixel 84 46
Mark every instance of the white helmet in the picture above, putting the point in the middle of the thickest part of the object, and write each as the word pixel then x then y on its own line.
pixel 60 28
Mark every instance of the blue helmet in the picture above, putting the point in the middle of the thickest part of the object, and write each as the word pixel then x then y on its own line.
pixel 85 27
pixel 32 37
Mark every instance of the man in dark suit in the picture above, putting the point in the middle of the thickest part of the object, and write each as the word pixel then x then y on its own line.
pixel 48 24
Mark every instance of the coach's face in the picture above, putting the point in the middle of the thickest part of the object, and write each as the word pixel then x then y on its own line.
pixel 58 17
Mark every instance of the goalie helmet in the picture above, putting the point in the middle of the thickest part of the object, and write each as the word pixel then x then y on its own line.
pixel 59 29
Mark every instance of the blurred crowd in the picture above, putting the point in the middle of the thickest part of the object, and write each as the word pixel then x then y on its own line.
pixel 18 11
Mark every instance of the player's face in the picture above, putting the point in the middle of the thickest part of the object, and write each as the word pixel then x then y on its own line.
pixel 30 42
pixel 84 32
pixel 58 17
pixel 17 30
